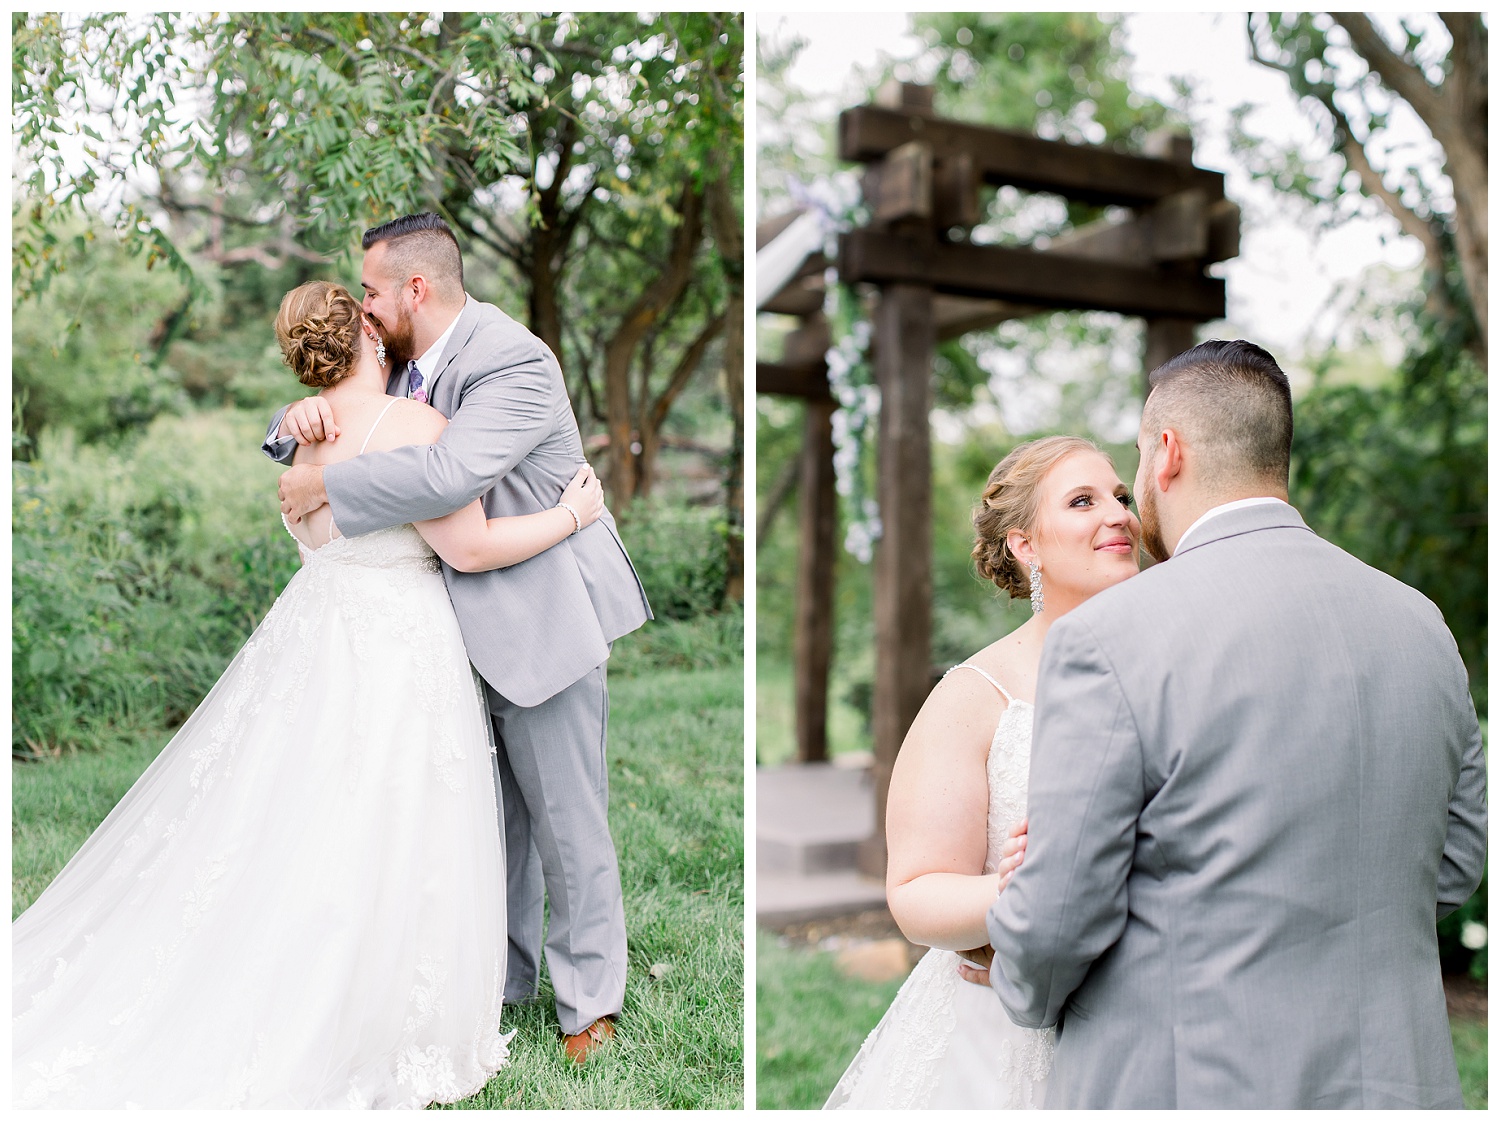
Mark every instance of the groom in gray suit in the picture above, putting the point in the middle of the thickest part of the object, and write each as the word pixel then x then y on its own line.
pixel 1256 784
pixel 539 633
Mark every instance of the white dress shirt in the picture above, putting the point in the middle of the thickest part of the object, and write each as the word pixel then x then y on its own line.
pixel 1220 509
pixel 428 363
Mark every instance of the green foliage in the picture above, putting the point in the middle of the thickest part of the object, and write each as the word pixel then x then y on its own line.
pixel 708 641
pixel 136 575
pixel 244 151
pixel 679 553
pixel 352 116
pixel 1471 1050
pixel 1061 75
pixel 1396 474
pixel 86 353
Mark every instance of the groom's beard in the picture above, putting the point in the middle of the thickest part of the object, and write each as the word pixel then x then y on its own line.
pixel 1151 525
pixel 399 337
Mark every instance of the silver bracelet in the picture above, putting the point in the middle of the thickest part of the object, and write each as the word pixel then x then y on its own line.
pixel 577 522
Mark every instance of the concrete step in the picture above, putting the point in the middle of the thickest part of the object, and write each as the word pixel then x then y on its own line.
pixel 782 898
pixel 810 818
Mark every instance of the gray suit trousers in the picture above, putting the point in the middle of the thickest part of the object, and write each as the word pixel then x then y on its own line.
pixel 555 782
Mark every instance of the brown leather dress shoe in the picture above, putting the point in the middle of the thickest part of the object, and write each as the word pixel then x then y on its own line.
pixel 580 1046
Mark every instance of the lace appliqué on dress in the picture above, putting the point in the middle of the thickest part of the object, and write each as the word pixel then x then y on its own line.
pixel 909 1061
pixel 923 1007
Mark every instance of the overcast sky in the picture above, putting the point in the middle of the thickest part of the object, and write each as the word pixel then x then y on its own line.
pixel 1281 285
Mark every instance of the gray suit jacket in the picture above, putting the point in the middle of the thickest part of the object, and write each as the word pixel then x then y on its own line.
pixel 1256 783
pixel 535 628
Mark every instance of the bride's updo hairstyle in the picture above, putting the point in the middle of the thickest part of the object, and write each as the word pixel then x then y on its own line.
pixel 1010 502
pixel 318 327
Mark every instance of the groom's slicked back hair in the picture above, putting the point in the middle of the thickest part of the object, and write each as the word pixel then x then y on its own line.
pixel 1231 401
pixel 421 244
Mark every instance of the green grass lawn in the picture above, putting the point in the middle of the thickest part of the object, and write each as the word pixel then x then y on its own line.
pixel 676 813
pixel 773 718
pixel 810 1021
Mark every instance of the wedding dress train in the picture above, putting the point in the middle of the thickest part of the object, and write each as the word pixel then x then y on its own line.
pixel 301 902
pixel 946 1043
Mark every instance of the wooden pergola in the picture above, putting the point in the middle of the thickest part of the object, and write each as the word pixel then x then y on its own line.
pixel 921 184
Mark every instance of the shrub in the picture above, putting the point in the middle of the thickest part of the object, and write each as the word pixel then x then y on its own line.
pixel 680 553
pixel 137 572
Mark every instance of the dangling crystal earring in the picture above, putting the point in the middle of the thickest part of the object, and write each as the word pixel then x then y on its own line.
pixel 380 352
pixel 1036 588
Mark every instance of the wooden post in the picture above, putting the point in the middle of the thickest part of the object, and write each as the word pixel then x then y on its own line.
pixel 1164 338
pixel 1167 336
pixel 905 336
pixel 813 642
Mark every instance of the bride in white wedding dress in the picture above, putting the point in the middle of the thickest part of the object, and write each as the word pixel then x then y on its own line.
pixel 1055 524
pixel 301 902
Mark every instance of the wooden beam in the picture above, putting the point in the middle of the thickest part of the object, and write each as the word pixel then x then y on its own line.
pixel 1001 156
pixel 802 297
pixel 803 294
pixel 812 650
pixel 959 315
pixel 904 341
pixel 1049 280
pixel 792 381
pixel 1180 228
pixel 766 231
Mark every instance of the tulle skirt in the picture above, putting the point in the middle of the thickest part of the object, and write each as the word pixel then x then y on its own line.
pixel 301 902
pixel 946 1044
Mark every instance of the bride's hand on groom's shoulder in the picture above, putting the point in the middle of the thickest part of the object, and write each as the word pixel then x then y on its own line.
pixel 309 420
pixel 585 494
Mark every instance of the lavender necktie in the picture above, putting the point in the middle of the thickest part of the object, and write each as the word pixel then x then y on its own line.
pixel 414 388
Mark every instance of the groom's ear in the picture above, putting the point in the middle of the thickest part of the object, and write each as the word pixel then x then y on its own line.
pixel 418 289
pixel 1168 464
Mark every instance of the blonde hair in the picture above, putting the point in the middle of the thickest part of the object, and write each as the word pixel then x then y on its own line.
pixel 1010 503
pixel 318 327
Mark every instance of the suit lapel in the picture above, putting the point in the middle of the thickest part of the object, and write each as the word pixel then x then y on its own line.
pixel 463 330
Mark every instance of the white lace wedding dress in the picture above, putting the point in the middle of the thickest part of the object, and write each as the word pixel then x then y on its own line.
pixel 301 902
pixel 946 1043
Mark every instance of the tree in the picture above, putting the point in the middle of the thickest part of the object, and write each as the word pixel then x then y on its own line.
pixel 618 175
pixel 1395 472
pixel 558 142
pixel 1352 79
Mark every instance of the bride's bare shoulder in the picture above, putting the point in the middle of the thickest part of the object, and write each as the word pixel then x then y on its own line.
pixel 410 422
pixel 1012 662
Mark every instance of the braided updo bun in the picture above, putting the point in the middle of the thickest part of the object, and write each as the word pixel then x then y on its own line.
pixel 1010 502
pixel 318 328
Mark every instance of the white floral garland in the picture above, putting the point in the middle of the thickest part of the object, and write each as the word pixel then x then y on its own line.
pixel 851 379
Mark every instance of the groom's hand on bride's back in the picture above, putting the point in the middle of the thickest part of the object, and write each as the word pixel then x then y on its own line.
pixel 309 420
pixel 301 491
